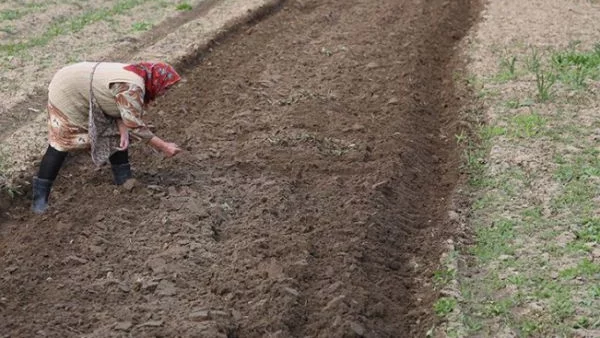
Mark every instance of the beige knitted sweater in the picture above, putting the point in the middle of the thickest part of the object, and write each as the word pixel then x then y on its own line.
pixel 69 90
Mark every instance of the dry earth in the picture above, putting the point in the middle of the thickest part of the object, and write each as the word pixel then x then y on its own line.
pixel 311 200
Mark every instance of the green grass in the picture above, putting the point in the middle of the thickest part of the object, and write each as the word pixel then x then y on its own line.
pixel 489 132
pixel 522 278
pixel 500 307
pixel 441 278
pixel 476 165
pixel 70 25
pixel 141 26
pixel 570 67
pixel 444 306
pixel 585 268
pixel 580 167
pixel 12 14
pixel 575 67
pixel 561 306
pixel 494 240
pixel 475 149
pixel 574 196
pixel 184 6
pixel 589 230
pixel 8 29
pixel 528 328
pixel 527 125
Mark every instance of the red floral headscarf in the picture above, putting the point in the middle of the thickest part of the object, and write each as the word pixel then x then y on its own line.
pixel 158 77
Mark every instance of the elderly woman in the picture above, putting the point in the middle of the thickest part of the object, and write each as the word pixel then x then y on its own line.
pixel 94 106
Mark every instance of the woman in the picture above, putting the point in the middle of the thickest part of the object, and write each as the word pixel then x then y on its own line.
pixel 94 106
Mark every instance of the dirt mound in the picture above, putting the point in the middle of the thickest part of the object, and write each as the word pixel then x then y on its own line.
pixel 311 200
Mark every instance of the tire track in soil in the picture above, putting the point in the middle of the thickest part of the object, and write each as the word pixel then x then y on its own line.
pixel 311 201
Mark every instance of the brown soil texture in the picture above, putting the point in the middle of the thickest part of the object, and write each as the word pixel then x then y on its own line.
pixel 311 200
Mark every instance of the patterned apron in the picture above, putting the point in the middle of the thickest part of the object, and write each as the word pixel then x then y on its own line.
pixel 103 130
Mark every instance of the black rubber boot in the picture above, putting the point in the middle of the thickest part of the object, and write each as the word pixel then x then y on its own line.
pixel 121 173
pixel 41 192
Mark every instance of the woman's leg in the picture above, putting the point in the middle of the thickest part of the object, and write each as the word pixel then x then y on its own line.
pixel 51 163
pixel 42 183
pixel 120 166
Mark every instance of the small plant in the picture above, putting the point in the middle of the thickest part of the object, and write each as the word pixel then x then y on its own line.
pixel 141 26
pixel 516 280
pixel 488 132
pixel 12 191
pixel 10 14
pixel 25 8
pixel 497 308
pixel 582 323
pixel 473 324
pixel 475 155
pixel 575 67
pixel 513 104
pixel 561 306
pixel 579 76
pixel 571 58
pixel 494 240
pixel 461 137
pixel 3 180
pixel 534 61
pixel 544 81
pixel 510 65
pixel 527 125
pixel 443 277
pixel 444 306
pixel 8 29
pixel 6 187
pixel 184 6
pixel 585 268
pixel 516 103
pixel 528 328
pixel 508 69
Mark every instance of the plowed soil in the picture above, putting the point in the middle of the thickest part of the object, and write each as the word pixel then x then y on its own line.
pixel 311 200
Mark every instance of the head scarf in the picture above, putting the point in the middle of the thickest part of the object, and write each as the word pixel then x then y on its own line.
pixel 158 77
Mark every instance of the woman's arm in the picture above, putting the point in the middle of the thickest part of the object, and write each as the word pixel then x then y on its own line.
pixel 168 148
pixel 130 101
pixel 130 98
pixel 124 132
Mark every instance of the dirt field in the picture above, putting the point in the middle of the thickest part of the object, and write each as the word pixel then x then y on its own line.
pixel 312 199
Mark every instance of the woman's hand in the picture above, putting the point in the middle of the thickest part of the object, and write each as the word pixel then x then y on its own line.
pixel 168 148
pixel 124 132
pixel 171 149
